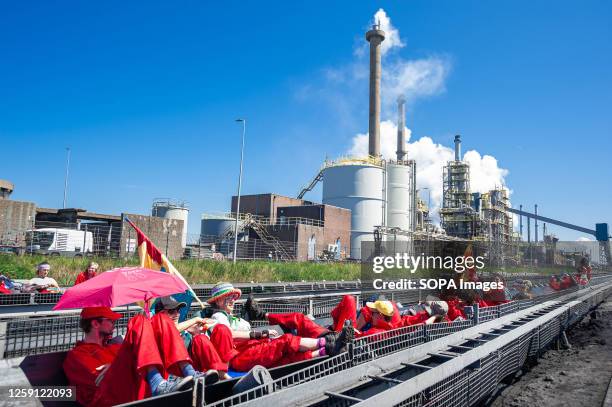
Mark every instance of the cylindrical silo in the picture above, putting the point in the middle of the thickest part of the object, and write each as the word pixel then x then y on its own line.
pixel 170 209
pixel 400 196
pixel 215 226
pixel 357 186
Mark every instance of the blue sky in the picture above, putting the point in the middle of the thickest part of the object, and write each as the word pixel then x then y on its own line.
pixel 146 93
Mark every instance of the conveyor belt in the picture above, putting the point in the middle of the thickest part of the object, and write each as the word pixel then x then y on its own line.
pixel 456 369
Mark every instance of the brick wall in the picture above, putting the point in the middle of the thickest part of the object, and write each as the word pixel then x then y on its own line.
pixel 164 233
pixel 15 218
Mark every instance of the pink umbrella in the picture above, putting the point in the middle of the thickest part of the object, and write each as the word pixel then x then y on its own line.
pixel 120 287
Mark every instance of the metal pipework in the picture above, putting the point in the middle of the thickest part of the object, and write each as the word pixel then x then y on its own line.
pixel 536 223
pixel 401 124
pixel 457 147
pixel 375 37
pixel 521 221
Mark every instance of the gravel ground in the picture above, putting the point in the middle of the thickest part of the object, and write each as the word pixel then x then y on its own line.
pixel 576 377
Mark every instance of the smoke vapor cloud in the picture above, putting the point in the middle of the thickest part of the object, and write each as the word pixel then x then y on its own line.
pixel 430 157
pixel 417 79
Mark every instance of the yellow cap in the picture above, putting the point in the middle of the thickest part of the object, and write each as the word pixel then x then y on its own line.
pixel 384 307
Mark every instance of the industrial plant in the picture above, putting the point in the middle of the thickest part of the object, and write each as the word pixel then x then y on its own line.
pixel 364 199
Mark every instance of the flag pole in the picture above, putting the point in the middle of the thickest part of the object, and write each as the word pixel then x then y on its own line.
pixel 143 253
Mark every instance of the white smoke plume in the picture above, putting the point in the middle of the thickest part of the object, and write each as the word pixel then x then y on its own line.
pixel 392 37
pixel 416 79
pixel 413 79
pixel 430 157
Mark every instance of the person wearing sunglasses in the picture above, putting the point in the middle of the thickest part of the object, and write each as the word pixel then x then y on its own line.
pixel 107 373
pixel 203 354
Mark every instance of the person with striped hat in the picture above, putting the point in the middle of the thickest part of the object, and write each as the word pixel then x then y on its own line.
pixel 242 348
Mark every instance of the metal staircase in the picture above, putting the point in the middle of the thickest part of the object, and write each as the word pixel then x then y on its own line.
pixel 267 238
pixel 250 221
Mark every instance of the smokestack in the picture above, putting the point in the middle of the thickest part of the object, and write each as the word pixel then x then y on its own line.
pixel 401 124
pixel 375 37
pixel 457 147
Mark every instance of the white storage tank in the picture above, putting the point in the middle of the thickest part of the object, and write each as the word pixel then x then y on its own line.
pixel 171 209
pixel 356 185
pixel 401 196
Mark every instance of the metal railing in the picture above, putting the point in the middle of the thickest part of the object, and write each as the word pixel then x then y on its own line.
pixel 28 336
pixel 463 388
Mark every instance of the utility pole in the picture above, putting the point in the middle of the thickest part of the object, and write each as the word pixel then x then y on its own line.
pixel 239 188
pixel 66 177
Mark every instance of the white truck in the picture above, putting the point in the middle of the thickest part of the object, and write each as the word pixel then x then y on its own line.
pixel 59 242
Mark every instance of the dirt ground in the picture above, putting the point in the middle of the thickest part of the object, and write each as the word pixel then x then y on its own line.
pixel 577 377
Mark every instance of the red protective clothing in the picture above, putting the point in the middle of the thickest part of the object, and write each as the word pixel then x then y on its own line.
pixel 554 283
pixel 455 309
pixel 584 274
pixel 495 296
pixel 419 318
pixel 3 289
pixel 170 344
pixel 395 322
pixel 303 326
pixel 566 282
pixel 205 356
pixel 346 309
pixel 242 355
pixel 366 313
pixel 82 277
pixel 124 381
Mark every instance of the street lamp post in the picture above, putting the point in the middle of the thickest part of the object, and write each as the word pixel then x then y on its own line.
pixel 66 177
pixel 239 188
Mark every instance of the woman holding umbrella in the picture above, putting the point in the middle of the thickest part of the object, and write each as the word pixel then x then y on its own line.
pixel 108 374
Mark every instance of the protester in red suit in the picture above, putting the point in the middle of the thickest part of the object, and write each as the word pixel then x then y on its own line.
pixel 456 309
pixel 567 281
pixel 554 282
pixel 377 316
pixel 203 353
pixel 91 272
pixel 301 324
pixel 243 348
pixel 584 272
pixel 107 373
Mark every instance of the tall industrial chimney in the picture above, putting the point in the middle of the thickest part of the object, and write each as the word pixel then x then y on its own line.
pixel 457 147
pixel 401 124
pixel 375 37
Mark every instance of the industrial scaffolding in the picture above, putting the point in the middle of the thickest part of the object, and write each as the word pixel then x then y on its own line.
pixel 459 214
pixel 494 209
pixel 499 231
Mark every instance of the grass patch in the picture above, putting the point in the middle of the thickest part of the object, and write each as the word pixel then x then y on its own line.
pixel 65 269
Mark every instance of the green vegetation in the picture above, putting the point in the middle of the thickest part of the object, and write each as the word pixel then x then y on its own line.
pixel 65 269
pixel 545 270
